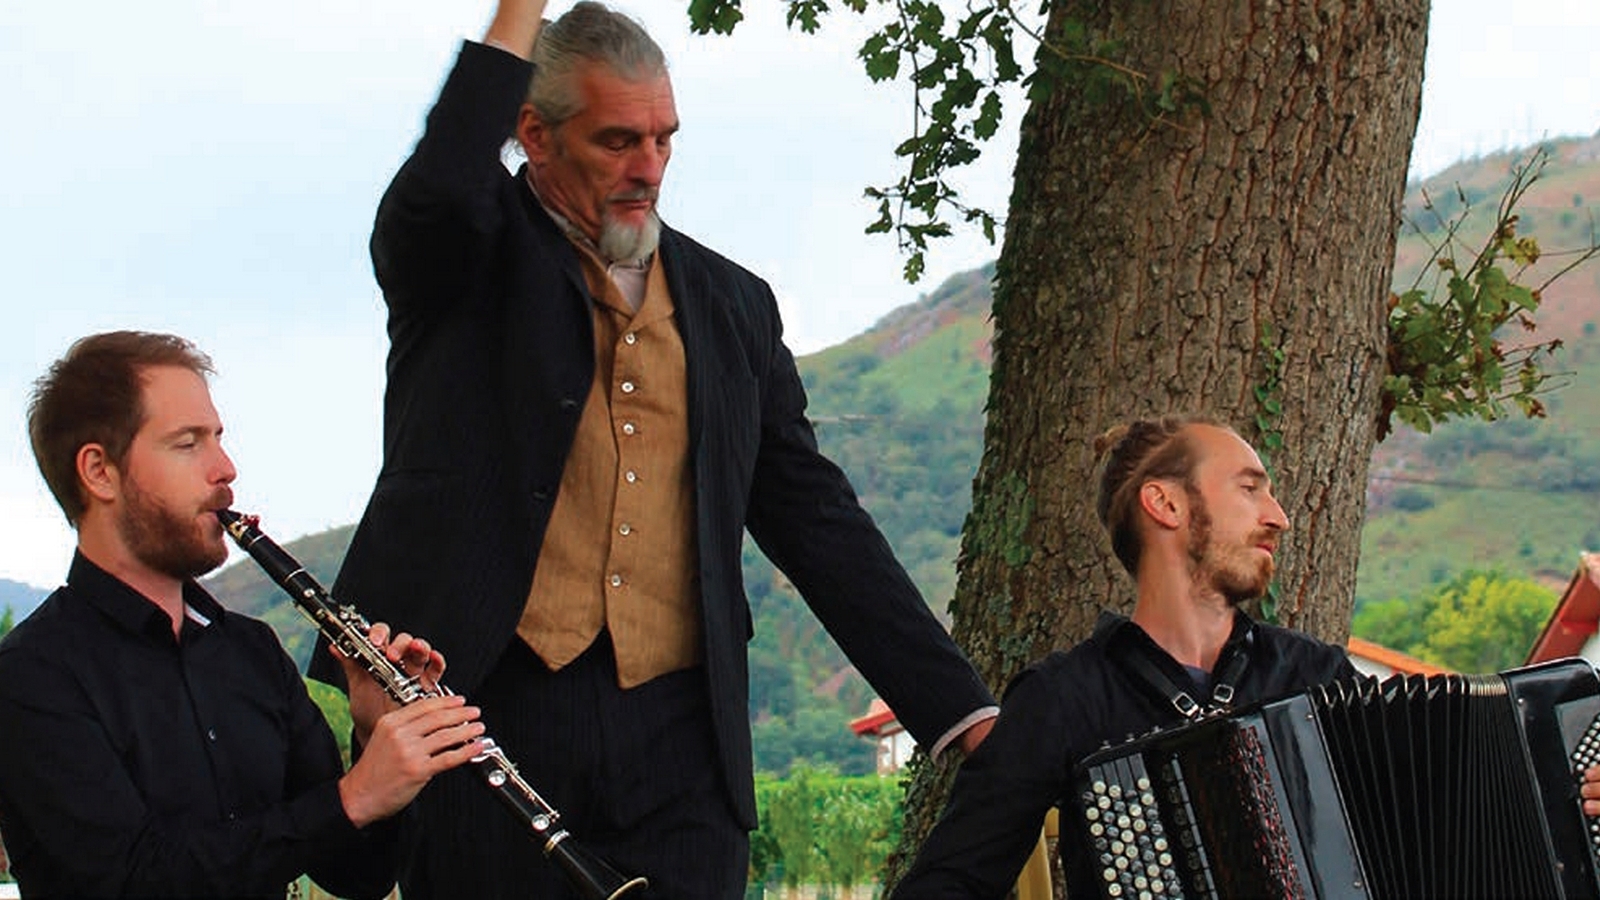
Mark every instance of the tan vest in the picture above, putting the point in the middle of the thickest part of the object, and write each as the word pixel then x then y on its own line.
pixel 619 552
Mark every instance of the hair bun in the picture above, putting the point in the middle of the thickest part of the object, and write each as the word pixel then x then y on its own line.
pixel 1109 439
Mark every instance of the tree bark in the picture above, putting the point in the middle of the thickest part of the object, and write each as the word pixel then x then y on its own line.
pixel 1188 263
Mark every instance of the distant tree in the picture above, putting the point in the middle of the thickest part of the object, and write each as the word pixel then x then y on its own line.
pixel 1477 622
pixel 1485 621
pixel 336 709
pixel 792 821
pixel 821 828
pixel 860 825
pixel 7 621
pixel 1396 623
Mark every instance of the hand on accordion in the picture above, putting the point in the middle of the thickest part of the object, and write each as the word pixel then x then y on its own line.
pixel 1591 791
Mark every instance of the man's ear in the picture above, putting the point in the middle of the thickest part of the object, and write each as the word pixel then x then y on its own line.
pixel 97 476
pixel 1164 502
pixel 532 135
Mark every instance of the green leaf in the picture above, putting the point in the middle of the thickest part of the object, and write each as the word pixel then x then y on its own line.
pixel 718 16
pixel 914 267
pixel 988 121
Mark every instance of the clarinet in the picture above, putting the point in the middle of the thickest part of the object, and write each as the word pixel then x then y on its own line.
pixel 346 629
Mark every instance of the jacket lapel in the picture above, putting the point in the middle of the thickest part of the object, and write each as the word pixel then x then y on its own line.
pixel 690 309
pixel 548 340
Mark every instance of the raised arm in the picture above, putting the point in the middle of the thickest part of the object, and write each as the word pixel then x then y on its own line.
pixel 515 26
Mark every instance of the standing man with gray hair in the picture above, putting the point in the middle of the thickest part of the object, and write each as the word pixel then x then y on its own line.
pixel 585 412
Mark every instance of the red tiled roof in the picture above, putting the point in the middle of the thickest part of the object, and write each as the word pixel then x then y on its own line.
pixel 1575 616
pixel 1393 660
pixel 878 715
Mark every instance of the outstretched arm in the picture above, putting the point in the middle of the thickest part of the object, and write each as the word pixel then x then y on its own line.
pixel 515 25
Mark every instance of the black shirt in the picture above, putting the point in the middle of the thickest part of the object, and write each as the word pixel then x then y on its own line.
pixel 1058 711
pixel 136 764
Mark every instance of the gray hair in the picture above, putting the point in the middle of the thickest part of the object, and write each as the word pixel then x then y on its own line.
pixel 587 33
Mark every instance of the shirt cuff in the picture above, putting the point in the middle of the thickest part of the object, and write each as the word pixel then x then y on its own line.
pixel 499 45
pixel 956 730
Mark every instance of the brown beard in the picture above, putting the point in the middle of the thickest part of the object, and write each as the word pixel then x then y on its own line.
pixel 165 541
pixel 1238 587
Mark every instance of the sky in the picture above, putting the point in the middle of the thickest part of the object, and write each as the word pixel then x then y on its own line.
pixel 211 169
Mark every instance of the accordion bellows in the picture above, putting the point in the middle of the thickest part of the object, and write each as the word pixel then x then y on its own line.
pixel 1440 786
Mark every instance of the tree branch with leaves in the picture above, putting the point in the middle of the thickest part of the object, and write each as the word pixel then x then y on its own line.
pixel 1450 352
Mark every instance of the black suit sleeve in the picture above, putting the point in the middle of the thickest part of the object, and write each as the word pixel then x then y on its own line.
pixel 805 516
pixel 438 223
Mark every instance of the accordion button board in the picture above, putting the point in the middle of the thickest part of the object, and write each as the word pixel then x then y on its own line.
pixel 1439 786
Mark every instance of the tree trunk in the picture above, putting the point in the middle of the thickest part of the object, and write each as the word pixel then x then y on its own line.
pixel 1197 262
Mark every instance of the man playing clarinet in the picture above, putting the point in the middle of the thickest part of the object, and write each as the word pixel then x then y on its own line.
pixel 156 744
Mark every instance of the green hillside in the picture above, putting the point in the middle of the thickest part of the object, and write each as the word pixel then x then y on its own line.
pixel 900 408
pixel 244 587
pixel 1518 494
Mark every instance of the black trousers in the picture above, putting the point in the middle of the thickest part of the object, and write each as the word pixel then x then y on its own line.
pixel 633 774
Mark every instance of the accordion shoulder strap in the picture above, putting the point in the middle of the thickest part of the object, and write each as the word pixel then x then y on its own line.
pixel 1134 656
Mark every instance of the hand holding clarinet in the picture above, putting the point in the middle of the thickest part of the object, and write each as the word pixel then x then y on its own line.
pixel 402 745
pixel 428 728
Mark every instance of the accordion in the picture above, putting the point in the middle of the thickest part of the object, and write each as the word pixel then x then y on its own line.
pixel 1411 786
